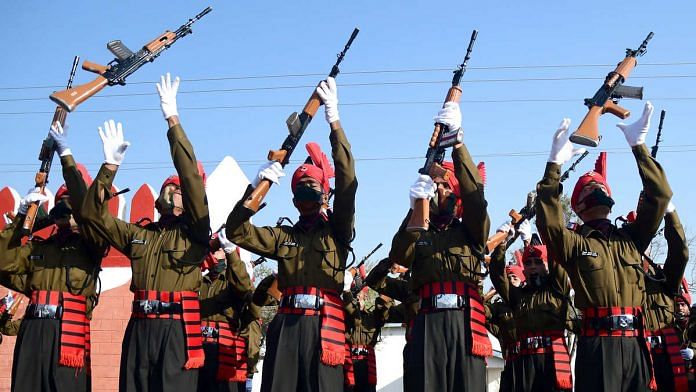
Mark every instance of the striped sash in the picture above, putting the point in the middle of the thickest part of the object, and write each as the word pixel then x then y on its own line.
pixel 673 346
pixel 557 348
pixel 232 355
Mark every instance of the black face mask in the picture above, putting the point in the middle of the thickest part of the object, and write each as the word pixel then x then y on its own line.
pixel 60 211
pixel 220 267
pixel 598 198
pixel 307 194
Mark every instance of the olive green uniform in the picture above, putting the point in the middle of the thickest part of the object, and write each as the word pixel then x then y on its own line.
pixel 606 273
pixel 439 354
pixel 164 258
pixel 315 258
pixel 659 307
pixel 65 262
pixel 501 323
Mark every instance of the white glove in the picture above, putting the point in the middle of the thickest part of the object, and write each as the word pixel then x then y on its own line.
pixel 506 228
pixel 60 139
pixel 271 170
pixel 347 280
pixel 450 115
pixel 423 188
pixel 167 92
pixel 226 244
pixel 328 93
pixel 635 133
pixel 525 230
pixel 561 147
pixel 670 208
pixel 33 195
pixel 112 139
pixel 687 354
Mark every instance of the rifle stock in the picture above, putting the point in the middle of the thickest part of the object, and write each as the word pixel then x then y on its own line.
pixel 500 236
pixel 71 98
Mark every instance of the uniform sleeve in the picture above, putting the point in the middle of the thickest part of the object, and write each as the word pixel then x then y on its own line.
pixel 350 311
pixel 346 185
pixel 475 219
pixel 656 196
pixel 498 276
pixel 381 311
pixel 561 242
pixel 261 296
pixel 677 252
pixel 559 277
pixel 10 327
pixel 237 277
pixel 263 241
pixel 192 188
pixel 96 216
pixel 404 244
pixel 14 257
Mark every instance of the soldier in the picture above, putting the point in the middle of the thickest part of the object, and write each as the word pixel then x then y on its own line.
pixel 305 341
pixel 162 344
pixel 603 262
pixel 450 341
pixel 662 286
pixel 61 274
pixel 8 305
pixel 225 293
pixel 540 308
pixel 362 333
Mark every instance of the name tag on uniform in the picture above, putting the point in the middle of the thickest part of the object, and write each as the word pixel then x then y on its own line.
pixel 289 243
pixel 589 253
pixel 136 241
pixel 36 257
pixel 423 243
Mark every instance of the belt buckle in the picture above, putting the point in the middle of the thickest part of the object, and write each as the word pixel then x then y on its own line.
pixel 447 301
pixel 624 322
pixel 305 301
pixel 208 331
pixel 149 307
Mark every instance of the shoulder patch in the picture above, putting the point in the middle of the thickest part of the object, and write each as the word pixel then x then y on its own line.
pixel 589 253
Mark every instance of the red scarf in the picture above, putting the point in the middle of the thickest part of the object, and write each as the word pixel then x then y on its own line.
pixel 191 316
pixel 333 338
pixel 232 355
pixel 480 344
pixel 74 326
pixel 349 365
pixel 348 371
pixel 673 346
pixel 559 350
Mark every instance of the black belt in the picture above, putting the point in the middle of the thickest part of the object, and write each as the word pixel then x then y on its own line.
pixel 145 306
pixel 443 301
pixel 359 351
pixel 43 311
pixel 535 342
pixel 621 322
pixel 302 301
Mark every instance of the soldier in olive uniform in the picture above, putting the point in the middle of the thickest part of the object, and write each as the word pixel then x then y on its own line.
pixel 8 327
pixel 305 340
pixel 61 274
pixel 362 333
pixel 450 341
pixel 604 262
pixel 661 327
pixel 162 346
pixel 539 307
pixel 225 293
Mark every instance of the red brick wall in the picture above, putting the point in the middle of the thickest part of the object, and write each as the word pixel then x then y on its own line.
pixel 108 325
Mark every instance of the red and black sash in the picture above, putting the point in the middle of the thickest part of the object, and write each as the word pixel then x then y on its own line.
pixel 74 325
pixel 480 344
pixel 672 343
pixel 232 355
pixel 333 338
pixel 349 369
pixel 559 350
pixel 190 315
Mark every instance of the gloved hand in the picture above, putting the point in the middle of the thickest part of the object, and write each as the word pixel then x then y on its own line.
pixel 226 244
pixel 687 354
pixel 114 145
pixel 60 139
pixel 347 280
pixel 561 147
pixel 167 92
pixel 670 208
pixel 271 170
pixel 33 195
pixel 328 93
pixel 423 188
pixel 450 115
pixel 635 133
pixel 506 228
pixel 525 230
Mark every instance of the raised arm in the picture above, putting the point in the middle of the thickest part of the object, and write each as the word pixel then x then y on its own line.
pixel 677 251
pixel 497 273
pixel 404 244
pixel 475 219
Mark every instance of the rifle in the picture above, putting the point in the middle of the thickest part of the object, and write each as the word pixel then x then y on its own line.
pixel 441 138
pixel 658 138
pixel 297 124
pixel 357 279
pixel 527 212
pixel 606 98
pixel 46 158
pixel 125 63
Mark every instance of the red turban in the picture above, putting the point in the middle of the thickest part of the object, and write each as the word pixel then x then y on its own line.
pixel 684 292
pixel 599 175
pixel 535 251
pixel 516 270
pixel 174 179
pixel 319 168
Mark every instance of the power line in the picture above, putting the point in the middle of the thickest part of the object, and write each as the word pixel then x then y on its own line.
pixel 379 71
pixel 375 103
pixel 366 84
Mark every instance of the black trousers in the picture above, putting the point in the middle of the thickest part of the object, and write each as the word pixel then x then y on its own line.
pixel 616 364
pixel 153 356
pixel 534 373
pixel 207 375
pixel 360 370
pixel 35 364
pixel 439 357
pixel 507 378
pixel 293 353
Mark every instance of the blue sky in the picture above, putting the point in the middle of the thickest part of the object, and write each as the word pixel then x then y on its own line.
pixel 509 114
